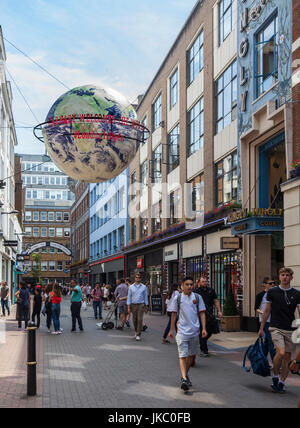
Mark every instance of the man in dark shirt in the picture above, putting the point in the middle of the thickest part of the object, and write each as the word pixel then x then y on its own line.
pixel 210 300
pixel 37 305
pixel 281 303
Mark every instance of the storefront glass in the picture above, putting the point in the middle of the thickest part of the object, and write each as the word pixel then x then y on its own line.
pixel 224 274
pixel 196 267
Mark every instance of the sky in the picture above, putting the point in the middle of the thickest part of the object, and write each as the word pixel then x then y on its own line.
pixel 110 43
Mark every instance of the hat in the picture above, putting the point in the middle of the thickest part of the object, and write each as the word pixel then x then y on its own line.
pixel 38 287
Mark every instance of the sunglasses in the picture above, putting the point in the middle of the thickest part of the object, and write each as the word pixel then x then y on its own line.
pixel 272 282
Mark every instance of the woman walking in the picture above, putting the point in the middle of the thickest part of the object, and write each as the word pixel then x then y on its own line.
pixel 37 305
pixel 48 305
pixel 55 297
pixel 172 295
pixel 23 301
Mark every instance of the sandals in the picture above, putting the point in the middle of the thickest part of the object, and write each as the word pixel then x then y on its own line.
pixel 165 341
pixel 293 371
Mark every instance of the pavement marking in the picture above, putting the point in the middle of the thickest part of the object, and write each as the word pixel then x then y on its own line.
pixel 167 393
pixel 110 347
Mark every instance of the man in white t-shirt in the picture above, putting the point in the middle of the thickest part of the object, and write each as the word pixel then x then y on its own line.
pixel 189 307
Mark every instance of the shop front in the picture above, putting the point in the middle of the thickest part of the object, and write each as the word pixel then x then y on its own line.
pixel 107 271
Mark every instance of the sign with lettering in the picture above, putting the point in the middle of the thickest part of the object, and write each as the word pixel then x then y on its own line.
pixel 230 243
pixel 140 263
pixel 257 226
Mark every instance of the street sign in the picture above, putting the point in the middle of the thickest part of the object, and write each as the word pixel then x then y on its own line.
pixel 10 243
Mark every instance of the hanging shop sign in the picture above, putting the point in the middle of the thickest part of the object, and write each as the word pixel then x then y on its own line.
pixel 256 212
pixel 257 225
pixel 140 263
pixel 10 243
pixel 230 243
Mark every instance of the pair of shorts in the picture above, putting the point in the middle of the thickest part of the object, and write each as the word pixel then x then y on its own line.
pixel 123 309
pixel 283 339
pixel 187 347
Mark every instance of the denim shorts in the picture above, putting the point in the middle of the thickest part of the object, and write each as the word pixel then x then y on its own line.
pixel 187 347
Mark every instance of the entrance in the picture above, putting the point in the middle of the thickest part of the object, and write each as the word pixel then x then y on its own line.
pixel 224 274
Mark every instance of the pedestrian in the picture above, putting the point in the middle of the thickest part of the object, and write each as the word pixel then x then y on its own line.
pixel 137 302
pixel 121 294
pixel 23 301
pixel 105 295
pixel 4 299
pixel 281 303
pixel 37 306
pixel 190 309
pixel 97 295
pixel 128 282
pixel 210 300
pixel 172 295
pixel 88 295
pixel 55 299
pixel 260 304
pixel 48 305
pixel 76 302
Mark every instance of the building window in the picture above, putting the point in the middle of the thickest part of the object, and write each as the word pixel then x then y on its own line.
pixel 51 266
pixel 44 266
pixel 66 216
pixel 145 123
pixel 175 207
pixel 43 216
pixel 156 164
pixel 174 89
pixel 196 127
pixel 59 216
pixel 36 232
pixel 44 232
pixel 195 58
pixel 36 216
pixel 197 196
pixel 59 232
pixel 28 194
pixel 121 237
pixel 173 149
pixel 133 186
pixel 226 98
pixel 266 57
pixel 51 216
pixel 52 250
pixel 226 175
pixel 28 215
pixel 144 176
pixel 225 19
pixel 133 229
pixel 144 224
pixel 156 217
pixel 157 113
pixel 51 232
pixel 28 231
pixel 59 266
pixel 122 199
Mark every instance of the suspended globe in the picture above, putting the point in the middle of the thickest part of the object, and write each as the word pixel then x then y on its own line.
pixel 92 134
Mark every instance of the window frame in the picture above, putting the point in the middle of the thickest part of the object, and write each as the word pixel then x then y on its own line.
pixel 192 53
pixel 222 13
pixel 196 145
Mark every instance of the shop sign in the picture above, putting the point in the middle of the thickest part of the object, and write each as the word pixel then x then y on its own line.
pixel 171 253
pixel 256 212
pixel 140 263
pixel 257 225
pixel 156 303
pixel 230 243
pixel 10 243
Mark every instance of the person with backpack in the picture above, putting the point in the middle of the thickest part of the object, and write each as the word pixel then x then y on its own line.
pixel 210 300
pixel 37 306
pixel 172 295
pixel 189 307
pixel 260 304
pixel 281 303
pixel 23 302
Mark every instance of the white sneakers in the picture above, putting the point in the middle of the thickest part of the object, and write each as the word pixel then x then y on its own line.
pixel 137 338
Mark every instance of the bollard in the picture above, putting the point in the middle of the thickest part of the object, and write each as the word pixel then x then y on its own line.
pixel 31 360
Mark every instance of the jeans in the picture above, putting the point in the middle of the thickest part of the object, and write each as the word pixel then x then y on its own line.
pixel 55 316
pixel 4 304
pixel 75 311
pixel 268 346
pixel 23 312
pixel 36 313
pixel 99 306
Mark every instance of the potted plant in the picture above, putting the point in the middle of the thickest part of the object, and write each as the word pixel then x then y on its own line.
pixel 231 320
pixel 295 172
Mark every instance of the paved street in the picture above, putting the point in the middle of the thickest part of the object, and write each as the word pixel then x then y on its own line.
pixel 110 369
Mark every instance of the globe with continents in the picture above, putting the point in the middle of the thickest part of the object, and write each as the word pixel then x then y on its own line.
pixel 101 157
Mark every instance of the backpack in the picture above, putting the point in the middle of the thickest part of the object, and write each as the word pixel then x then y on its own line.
pixel 259 362
pixel 179 302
